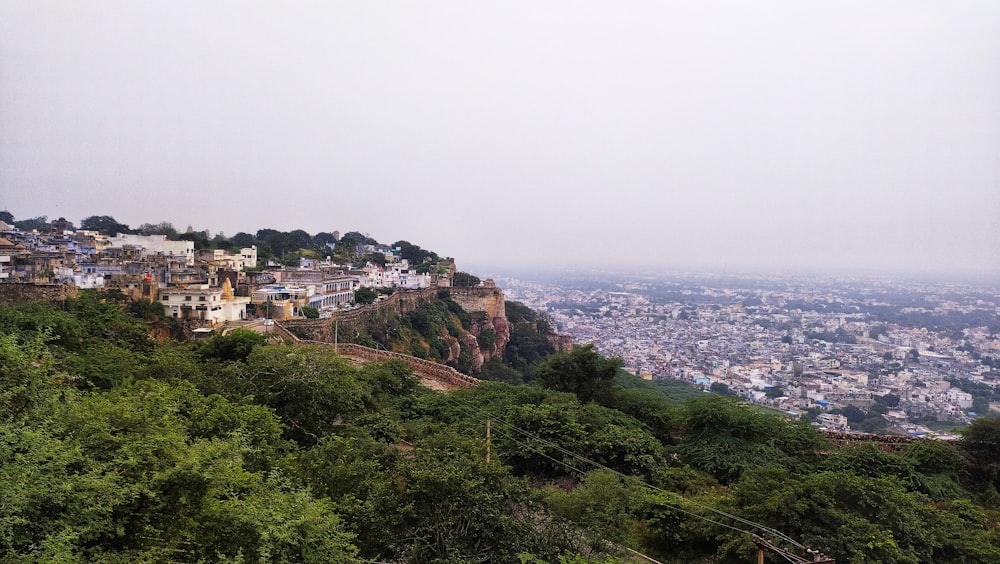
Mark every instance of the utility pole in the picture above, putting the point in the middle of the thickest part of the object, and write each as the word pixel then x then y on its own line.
pixel 487 441
pixel 762 545
pixel 336 336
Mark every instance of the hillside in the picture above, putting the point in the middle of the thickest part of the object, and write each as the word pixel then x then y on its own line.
pixel 467 328
pixel 116 448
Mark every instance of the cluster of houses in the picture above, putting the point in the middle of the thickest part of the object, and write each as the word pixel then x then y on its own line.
pixel 205 287
pixel 759 340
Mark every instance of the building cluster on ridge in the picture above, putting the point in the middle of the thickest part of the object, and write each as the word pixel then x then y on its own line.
pixel 205 288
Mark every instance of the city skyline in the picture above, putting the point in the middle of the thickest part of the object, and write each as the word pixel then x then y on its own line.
pixel 716 136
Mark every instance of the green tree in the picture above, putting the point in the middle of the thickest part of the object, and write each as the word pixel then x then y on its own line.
pixel 27 374
pixel 242 240
pixel 155 471
pixel 464 280
pixel 104 224
pixel 237 345
pixel 603 505
pixel 308 386
pixel 199 239
pixel 147 310
pixel 719 388
pixel 309 312
pixel 414 254
pixel 582 371
pixel 861 519
pixel 979 443
pixel 495 371
pixel 322 239
pixel 163 228
pixel 889 400
pixel 726 438
pixel 40 223
pixel 365 296
pixel 455 506
pixel 981 405
pixel 7 217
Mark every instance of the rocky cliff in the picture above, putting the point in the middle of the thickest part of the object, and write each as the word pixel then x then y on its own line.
pixel 490 328
pixel 485 339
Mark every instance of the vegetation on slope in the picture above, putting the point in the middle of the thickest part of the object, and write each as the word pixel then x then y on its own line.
pixel 115 448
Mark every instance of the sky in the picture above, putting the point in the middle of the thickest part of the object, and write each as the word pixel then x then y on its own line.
pixel 777 135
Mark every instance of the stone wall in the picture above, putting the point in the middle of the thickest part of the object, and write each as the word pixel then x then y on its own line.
pixel 484 304
pixel 322 330
pixel 888 443
pixel 17 293
pixel 561 343
pixel 420 367
pixel 488 299
pixel 425 369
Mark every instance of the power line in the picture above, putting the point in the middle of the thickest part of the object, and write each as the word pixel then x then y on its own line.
pixel 582 458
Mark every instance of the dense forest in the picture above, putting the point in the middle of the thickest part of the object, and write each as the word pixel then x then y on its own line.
pixel 118 448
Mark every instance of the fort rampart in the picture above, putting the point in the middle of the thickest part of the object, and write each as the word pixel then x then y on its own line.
pixel 13 293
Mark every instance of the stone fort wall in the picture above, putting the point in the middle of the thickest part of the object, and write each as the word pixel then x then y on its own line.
pixel 15 293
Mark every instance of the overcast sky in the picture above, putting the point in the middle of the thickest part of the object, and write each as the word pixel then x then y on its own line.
pixel 782 134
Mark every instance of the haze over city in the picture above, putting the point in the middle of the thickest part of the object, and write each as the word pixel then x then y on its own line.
pixel 782 135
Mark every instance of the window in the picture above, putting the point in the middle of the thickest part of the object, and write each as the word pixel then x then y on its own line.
pixel 187 298
pixel 201 298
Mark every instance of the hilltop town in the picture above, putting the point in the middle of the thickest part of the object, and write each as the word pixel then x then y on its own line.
pixel 865 355
pixel 206 284
pixel 122 445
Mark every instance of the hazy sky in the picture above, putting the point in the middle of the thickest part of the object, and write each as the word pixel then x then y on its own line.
pixel 781 134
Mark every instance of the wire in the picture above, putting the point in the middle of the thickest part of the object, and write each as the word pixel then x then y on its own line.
pixel 477 410
pixel 582 473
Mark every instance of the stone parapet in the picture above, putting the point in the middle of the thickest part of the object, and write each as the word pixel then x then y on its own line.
pixel 14 293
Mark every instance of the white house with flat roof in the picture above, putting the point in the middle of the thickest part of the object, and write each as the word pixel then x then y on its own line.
pixel 157 245
pixel 203 303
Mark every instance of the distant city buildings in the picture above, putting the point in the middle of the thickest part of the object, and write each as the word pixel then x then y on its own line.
pixel 823 345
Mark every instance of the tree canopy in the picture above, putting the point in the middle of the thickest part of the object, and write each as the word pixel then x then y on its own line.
pixel 104 224
pixel 118 448
pixel 464 280
pixel 582 372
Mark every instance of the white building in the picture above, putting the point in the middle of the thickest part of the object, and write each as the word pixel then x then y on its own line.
pixel 247 258
pixel 324 289
pixel 279 301
pixel 399 275
pixel 202 303
pixel 157 245
pixel 962 399
pixel 830 421
pixel 83 278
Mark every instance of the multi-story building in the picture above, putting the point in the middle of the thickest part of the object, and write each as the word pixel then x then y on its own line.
pixel 278 301
pixel 325 288
pixel 831 421
pixel 203 304
pixel 157 245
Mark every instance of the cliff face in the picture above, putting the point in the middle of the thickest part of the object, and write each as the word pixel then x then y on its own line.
pixel 485 340
pixel 487 299
pixel 490 328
